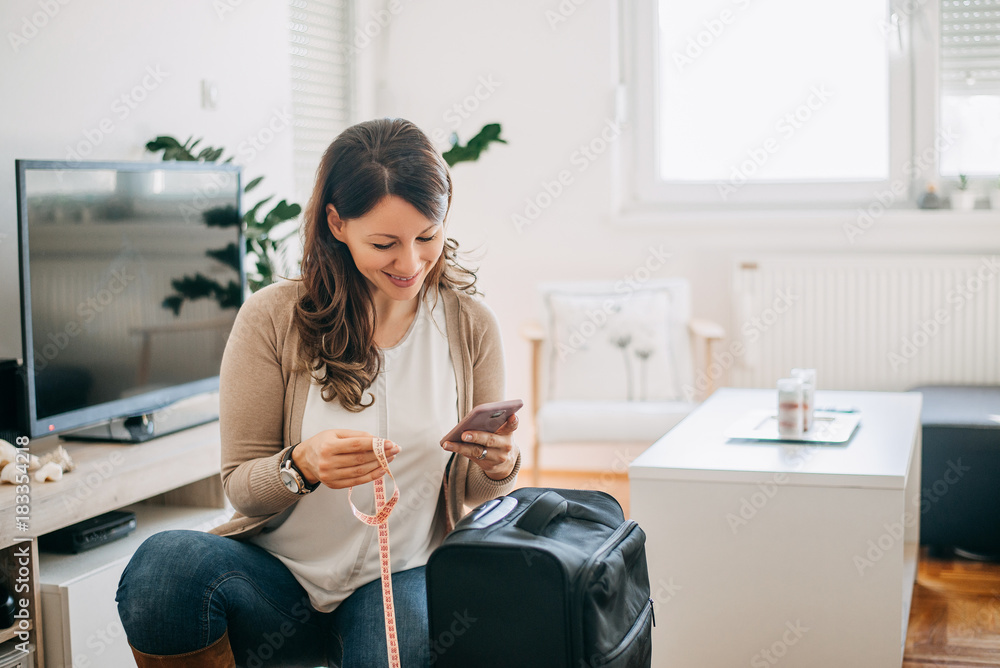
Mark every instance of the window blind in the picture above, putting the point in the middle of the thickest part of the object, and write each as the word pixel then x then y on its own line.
pixel 321 82
pixel 970 47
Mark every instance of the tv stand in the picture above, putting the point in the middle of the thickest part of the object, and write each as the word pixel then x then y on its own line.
pixel 143 427
pixel 170 483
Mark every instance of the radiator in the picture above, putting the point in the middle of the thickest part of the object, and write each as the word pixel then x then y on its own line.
pixel 870 322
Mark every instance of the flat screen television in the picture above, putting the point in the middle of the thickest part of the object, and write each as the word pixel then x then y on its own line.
pixel 131 277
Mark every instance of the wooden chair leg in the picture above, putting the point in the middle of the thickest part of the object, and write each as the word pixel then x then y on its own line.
pixel 536 470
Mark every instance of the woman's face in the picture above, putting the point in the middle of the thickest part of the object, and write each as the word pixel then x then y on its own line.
pixel 393 245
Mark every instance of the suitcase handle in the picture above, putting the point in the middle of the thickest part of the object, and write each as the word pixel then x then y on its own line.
pixel 546 507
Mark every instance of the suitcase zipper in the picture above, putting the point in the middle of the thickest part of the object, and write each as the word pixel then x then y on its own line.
pixel 613 540
pixel 626 641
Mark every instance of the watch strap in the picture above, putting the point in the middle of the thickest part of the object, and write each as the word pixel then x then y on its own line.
pixel 287 460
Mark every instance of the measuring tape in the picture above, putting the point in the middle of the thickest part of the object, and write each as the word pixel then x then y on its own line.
pixel 381 519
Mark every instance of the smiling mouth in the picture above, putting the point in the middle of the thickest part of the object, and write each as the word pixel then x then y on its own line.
pixel 403 281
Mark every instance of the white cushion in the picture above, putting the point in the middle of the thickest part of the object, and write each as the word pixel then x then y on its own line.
pixel 614 347
pixel 608 421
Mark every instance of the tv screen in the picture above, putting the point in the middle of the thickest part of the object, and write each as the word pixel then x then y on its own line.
pixel 131 276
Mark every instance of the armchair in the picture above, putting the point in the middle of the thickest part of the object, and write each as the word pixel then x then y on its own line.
pixel 614 365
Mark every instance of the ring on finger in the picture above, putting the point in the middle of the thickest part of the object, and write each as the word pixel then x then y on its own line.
pixel 482 455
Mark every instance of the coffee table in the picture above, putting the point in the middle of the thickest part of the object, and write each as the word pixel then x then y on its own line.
pixel 767 553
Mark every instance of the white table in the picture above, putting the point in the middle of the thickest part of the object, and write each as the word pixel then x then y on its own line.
pixel 764 553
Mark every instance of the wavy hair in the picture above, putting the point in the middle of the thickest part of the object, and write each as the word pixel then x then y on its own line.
pixel 335 317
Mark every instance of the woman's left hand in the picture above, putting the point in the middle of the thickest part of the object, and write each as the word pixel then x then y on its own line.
pixel 494 453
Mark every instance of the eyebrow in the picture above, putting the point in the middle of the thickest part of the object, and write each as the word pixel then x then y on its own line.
pixel 393 236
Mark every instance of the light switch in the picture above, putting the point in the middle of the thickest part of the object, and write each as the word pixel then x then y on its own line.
pixel 209 94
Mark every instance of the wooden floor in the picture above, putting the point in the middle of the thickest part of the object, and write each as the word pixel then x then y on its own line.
pixel 955 615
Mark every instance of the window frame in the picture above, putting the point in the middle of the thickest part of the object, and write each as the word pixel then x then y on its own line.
pixel 642 190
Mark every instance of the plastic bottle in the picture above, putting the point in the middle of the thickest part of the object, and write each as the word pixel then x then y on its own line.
pixel 808 377
pixel 790 413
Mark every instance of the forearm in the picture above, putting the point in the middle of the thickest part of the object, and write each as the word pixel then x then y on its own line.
pixel 479 487
pixel 255 489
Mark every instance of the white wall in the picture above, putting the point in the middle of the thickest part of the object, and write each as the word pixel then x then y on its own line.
pixel 552 89
pixel 63 78
pixel 555 91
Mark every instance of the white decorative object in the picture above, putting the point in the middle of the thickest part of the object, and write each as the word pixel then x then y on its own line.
pixel 51 471
pixel 60 457
pixel 9 474
pixel 611 347
pixel 791 416
pixel 963 200
pixel 808 377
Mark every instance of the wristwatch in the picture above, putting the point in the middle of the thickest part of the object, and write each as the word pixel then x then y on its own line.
pixel 292 477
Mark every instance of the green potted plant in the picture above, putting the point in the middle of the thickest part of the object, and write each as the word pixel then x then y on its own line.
pixel 259 222
pixel 963 199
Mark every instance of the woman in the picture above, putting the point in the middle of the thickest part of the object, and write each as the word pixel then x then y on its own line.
pixel 381 337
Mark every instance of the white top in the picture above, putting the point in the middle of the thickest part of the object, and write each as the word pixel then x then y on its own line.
pixel 328 550
pixel 877 456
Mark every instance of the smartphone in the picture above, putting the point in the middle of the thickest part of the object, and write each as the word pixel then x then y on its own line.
pixel 484 417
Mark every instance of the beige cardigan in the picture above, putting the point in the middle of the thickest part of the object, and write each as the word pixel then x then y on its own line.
pixel 263 396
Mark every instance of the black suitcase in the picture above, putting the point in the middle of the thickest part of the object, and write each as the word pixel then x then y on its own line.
pixel 547 578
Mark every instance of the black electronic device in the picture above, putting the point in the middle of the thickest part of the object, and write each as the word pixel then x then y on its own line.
pixel 88 534
pixel 12 409
pixel 131 276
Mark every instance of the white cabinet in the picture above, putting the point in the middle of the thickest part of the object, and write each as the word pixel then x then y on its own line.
pixel 79 613
pixel 765 553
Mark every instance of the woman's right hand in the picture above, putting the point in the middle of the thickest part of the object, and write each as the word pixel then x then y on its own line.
pixel 341 458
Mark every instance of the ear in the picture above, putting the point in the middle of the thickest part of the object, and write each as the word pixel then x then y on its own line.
pixel 335 223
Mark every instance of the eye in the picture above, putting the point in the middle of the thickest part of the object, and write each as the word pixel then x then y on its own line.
pixel 382 246
pixel 427 239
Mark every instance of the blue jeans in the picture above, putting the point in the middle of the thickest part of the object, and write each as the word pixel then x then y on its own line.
pixel 183 589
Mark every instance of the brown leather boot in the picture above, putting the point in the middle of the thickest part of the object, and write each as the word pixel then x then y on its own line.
pixel 217 655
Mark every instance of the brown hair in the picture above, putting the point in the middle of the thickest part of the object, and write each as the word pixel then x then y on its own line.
pixel 335 318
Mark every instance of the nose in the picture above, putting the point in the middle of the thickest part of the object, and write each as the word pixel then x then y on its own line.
pixel 408 262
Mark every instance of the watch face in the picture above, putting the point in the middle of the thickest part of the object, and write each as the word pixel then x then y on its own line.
pixel 288 478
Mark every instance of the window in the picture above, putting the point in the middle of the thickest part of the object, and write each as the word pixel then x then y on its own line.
pixel 747 104
pixel 318 42
pixel 970 86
